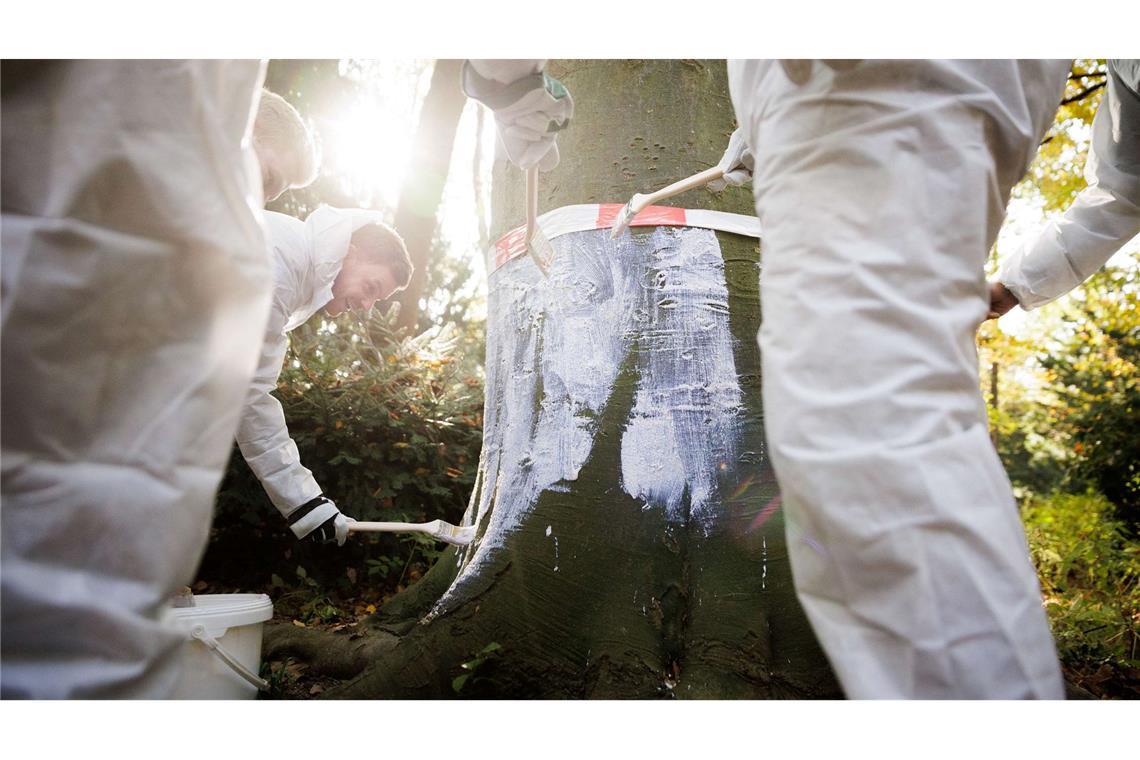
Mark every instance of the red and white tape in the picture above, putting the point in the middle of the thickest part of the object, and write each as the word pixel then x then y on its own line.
pixel 596 216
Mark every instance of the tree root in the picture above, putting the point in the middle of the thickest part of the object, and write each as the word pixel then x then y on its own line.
pixel 340 654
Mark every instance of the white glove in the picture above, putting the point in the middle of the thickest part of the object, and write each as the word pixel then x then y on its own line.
pixel 529 113
pixel 319 521
pixel 737 164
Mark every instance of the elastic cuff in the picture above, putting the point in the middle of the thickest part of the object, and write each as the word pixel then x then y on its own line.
pixel 494 94
pixel 311 515
pixel 1026 299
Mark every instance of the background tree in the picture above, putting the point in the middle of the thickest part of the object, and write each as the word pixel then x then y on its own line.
pixel 423 190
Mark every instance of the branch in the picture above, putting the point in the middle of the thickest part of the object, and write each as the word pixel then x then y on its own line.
pixel 1084 94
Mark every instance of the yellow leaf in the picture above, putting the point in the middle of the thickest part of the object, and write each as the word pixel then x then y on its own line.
pixel 298 623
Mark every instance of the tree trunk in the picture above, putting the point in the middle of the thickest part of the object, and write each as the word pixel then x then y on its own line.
pixel 423 189
pixel 630 538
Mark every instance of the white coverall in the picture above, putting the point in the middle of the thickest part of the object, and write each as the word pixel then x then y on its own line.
pixel 881 187
pixel 307 257
pixel 1104 216
pixel 135 287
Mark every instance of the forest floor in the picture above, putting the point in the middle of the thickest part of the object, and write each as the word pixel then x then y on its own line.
pixel 345 613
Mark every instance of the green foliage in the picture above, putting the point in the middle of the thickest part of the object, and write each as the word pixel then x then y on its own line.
pixel 1033 458
pixel 390 426
pixel 1034 463
pixel 1090 575
pixel 1094 386
pixel 472 666
pixel 1056 173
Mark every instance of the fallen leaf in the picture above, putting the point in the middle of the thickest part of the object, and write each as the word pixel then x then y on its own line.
pixel 316 689
pixel 298 623
pixel 201 586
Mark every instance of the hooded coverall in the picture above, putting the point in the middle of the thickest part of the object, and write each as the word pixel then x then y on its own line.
pixel 881 187
pixel 307 257
pixel 135 288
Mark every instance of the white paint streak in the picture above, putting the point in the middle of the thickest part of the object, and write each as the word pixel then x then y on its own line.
pixel 764 564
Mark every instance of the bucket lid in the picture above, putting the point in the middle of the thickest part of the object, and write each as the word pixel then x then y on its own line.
pixel 225 610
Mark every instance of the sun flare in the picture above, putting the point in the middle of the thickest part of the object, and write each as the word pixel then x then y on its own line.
pixel 369 147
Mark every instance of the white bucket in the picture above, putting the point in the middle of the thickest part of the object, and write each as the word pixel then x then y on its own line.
pixel 222 656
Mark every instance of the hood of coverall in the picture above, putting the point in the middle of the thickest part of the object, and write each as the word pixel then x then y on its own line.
pixel 328 231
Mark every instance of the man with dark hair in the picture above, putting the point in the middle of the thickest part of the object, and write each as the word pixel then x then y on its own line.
pixel 338 259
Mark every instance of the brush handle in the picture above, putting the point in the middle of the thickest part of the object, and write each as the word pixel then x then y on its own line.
pixel 531 202
pixel 389 527
pixel 697 180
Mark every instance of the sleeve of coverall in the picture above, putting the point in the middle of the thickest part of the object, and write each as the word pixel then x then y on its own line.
pixel 262 434
pixel 507 70
pixel 1104 217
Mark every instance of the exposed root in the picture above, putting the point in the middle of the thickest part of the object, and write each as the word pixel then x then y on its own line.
pixel 338 654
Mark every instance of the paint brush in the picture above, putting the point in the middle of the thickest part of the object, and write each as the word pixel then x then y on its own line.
pixel 537 245
pixel 641 200
pixel 446 532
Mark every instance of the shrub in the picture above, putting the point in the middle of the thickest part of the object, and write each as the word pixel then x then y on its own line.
pixel 391 427
pixel 1090 575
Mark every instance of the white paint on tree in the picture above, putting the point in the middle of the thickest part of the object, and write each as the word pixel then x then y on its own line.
pixel 654 303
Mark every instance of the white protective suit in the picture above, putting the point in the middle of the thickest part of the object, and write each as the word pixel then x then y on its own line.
pixel 307 257
pixel 135 287
pixel 1104 216
pixel 881 187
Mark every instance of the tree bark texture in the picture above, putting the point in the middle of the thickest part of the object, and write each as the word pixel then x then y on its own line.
pixel 631 543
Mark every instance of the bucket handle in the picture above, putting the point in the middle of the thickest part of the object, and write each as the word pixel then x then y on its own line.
pixel 199 632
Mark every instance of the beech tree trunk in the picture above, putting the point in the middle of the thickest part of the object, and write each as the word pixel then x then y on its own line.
pixel 631 543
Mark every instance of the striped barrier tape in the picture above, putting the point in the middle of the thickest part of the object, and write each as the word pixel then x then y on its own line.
pixel 596 216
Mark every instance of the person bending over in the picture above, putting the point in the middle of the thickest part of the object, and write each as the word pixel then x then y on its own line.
pixel 338 259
